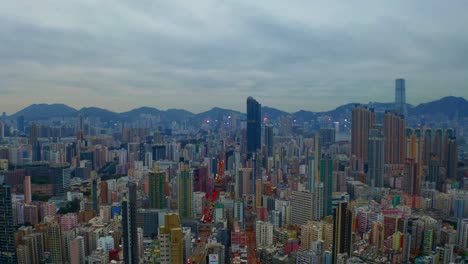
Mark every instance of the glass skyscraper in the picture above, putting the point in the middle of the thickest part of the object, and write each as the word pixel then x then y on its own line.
pixel 400 97
pixel 253 126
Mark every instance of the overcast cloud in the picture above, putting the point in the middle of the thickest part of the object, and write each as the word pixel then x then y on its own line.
pixel 198 54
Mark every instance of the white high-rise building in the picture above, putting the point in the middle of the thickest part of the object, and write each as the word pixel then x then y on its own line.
pixel 301 207
pixel 107 244
pixel 264 234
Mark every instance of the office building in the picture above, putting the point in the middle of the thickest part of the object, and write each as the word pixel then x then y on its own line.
pixel 327 136
pixel 254 117
pixel 342 231
pixel 129 227
pixel 400 97
pixel 301 207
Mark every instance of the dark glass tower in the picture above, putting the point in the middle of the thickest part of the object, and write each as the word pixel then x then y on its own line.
pixel 130 235
pixel 7 230
pixel 254 110
pixel 342 223
pixel 400 97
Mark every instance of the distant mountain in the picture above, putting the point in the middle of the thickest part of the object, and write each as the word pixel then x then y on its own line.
pixel 177 114
pixel 215 113
pixel 273 113
pixel 46 111
pixel 303 115
pixel 103 114
pixel 447 106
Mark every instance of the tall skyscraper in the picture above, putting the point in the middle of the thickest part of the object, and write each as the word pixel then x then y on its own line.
pixel 362 122
pixel 129 232
pixel 157 190
pixel 395 138
pixel 7 229
pixel 254 116
pixel 326 177
pixel 185 195
pixel 400 97
pixel 376 157
pixel 342 225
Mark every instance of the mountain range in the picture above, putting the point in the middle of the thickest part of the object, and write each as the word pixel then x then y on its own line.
pixel 447 106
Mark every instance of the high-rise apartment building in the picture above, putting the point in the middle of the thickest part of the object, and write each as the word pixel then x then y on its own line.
pixel 54 242
pixel 395 138
pixel 375 174
pixel 361 122
pixel 7 229
pixel 185 195
pixel 77 250
pixel 157 190
pixel 400 97
pixel 170 239
pixel 254 112
pixel 129 232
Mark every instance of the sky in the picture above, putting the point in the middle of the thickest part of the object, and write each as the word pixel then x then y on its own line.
pixel 195 55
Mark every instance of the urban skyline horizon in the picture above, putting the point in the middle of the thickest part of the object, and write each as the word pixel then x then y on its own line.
pixel 242 110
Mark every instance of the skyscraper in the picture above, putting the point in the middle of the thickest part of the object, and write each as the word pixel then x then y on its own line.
pixel 395 138
pixel 376 157
pixel 254 110
pixel 326 177
pixel 342 231
pixel 400 97
pixel 157 190
pixel 7 229
pixel 185 195
pixel 362 122
pixel 129 232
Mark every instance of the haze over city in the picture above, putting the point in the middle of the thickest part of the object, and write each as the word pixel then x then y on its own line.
pixel 307 55
pixel 240 132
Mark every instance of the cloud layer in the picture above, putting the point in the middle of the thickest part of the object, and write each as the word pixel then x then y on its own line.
pixel 199 54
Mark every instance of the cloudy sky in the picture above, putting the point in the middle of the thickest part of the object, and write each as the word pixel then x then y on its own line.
pixel 198 54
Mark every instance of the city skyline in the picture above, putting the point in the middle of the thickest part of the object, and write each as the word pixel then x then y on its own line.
pixel 317 56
